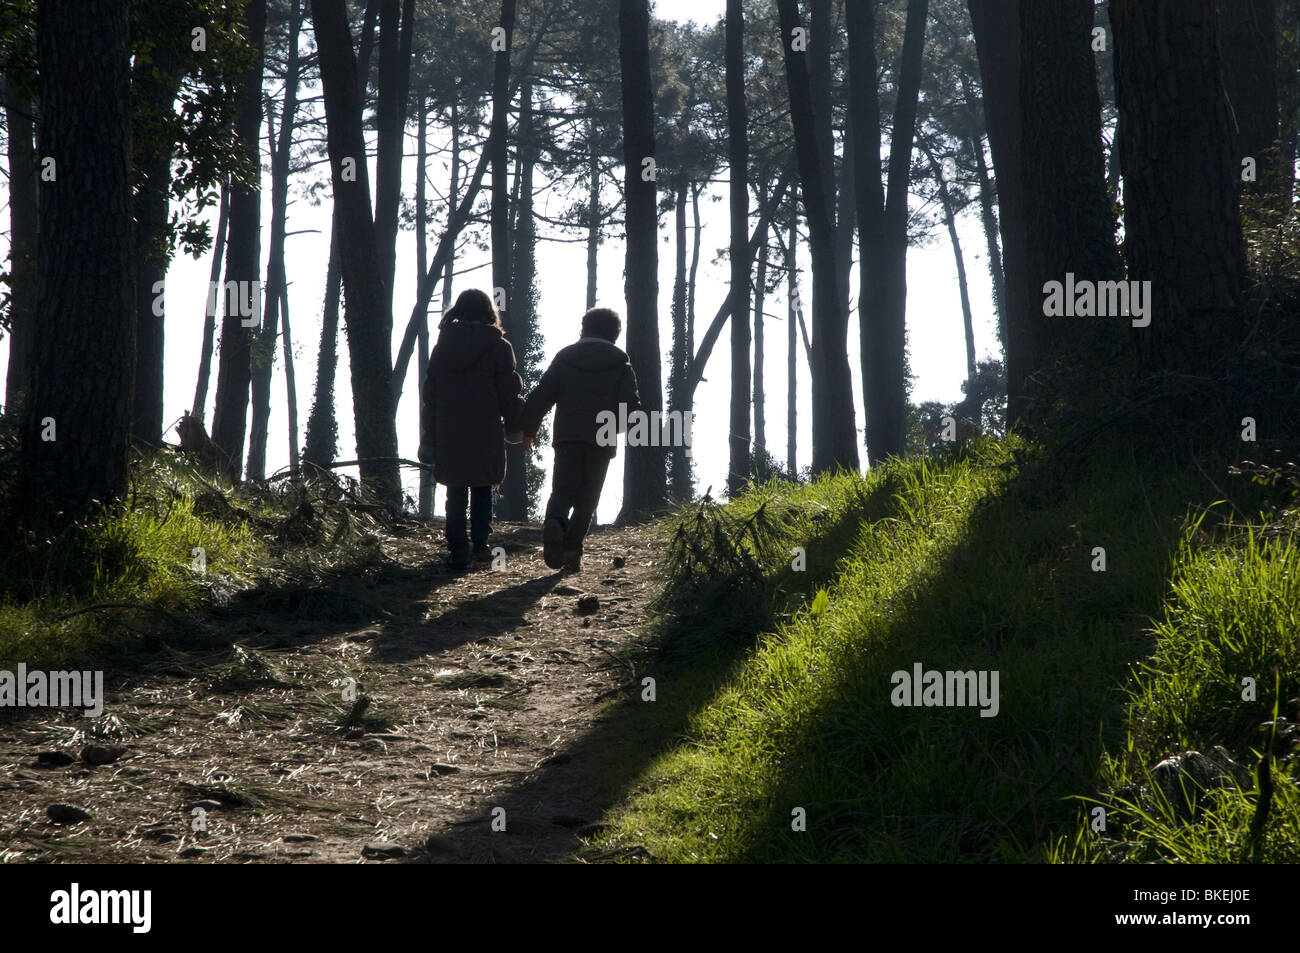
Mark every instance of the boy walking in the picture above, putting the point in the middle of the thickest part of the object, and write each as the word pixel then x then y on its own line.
pixel 585 379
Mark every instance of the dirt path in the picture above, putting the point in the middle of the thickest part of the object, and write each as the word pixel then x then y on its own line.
pixel 481 688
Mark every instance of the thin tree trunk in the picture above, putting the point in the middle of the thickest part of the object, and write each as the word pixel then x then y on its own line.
pixel 498 148
pixel 697 232
pixel 516 501
pixel 264 354
pixel 950 221
pixel 680 467
pixel 644 474
pixel 835 442
pixel 760 398
pixel 199 409
pixel 740 468
pixel 425 503
pixel 791 353
pixel 322 420
pixel 988 215
pixel 290 383
pixel 23 237
pixel 243 258
pixel 76 424
pixel 1248 42
pixel 593 213
pixel 155 82
pixel 396 25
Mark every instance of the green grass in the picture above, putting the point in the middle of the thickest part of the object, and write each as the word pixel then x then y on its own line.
pixel 983 562
pixel 181 540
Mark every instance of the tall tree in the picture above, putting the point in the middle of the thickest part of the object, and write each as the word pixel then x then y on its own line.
pixel 1068 221
pixel 322 421
pixel 263 356
pixel 396 32
pixel 882 217
pixel 211 296
pixel 155 80
pixel 243 256
pixel 368 316
pixel 1181 219
pixel 23 235
pixel 996 25
pixel 740 469
pixel 644 475
pixel 835 441
pixel 1248 44
pixel 77 416
pixel 791 356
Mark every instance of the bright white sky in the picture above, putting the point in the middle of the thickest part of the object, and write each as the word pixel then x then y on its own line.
pixel 933 313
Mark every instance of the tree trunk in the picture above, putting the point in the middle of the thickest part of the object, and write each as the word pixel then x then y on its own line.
pixel 1069 228
pixel 644 476
pixel 76 421
pixel 498 148
pixel 322 420
pixel 882 217
pixel 264 353
pixel 697 232
pixel 1182 226
pixel 950 222
pixel 835 442
pixel 23 237
pixel 516 502
pixel 740 468
pixel 792 345
pixel 997 38
pixel 155 81
pixel 593 213
pixel 199 409
pixel 425 503
pixel 760 295
pixel 680 465
pixel 390 121
pixel 1248 45
pixel 368 317
pixel 290 383
pixel 243 258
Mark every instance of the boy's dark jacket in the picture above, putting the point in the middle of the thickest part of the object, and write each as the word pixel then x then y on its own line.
pixel 470 386
pixel 584 379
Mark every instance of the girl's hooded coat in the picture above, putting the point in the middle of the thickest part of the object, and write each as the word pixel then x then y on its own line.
pixel 470 388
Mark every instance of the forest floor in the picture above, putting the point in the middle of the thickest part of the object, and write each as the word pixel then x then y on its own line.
pixel 483 691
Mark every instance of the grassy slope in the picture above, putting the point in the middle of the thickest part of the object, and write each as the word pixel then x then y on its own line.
pixel 984 563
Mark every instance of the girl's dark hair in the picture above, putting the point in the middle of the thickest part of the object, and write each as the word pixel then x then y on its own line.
pixel 472 307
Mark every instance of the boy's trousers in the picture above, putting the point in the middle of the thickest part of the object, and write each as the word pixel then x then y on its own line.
pixel 576 482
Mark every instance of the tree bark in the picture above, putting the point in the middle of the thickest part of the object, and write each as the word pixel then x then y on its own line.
pixel 498 148
pixel 156 80
pixel 263 360
pixel 368 317
pixel 290 383
pixel 199 409
pixel 322 420
pixel 835 442
pixel 740 468
pixel 791 353
pixel 1182 225
pixel 760 398
pixel 425 502
pixel 997 38
pixel 680 465
pixel 396 27
pixel 1248 44
pixel 243 257
pixel 882 217
pixel 644 475
pixel 76 419
pixel 23 237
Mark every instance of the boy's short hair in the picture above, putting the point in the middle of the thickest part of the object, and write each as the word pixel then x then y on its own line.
pixel 602 323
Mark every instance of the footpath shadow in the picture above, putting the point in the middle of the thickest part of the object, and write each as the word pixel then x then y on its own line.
pixel 550 811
